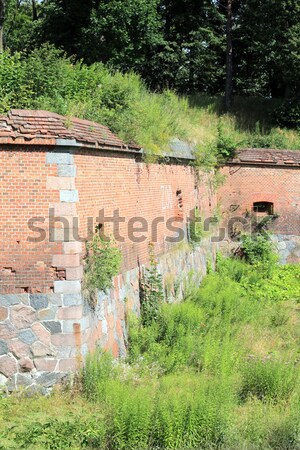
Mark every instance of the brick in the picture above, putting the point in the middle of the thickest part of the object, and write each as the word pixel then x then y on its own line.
pixel 68 196
pixel 74 273
pixel 71 312
pixel 59 158
pixel 58 183
pixel 67 287
pixel 65 261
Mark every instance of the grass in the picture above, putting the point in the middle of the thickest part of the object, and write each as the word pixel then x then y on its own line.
pixel 46 79
pixel 217 371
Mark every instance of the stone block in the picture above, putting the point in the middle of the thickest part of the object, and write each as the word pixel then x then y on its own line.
pixel 63 261
pixel 53 326
pixel 18 348
pixel 3 380
pixel 70 313
pixel 57 183
pixel 45 364
pixel 39 301
pixel 68 365
pixel 47 314
pixel 72 247
pixel 62 234
pixel 23 380
pixel 61 340
pixel 13 299
pixel 59 158
pixel 27 336
pixel 68 195
pixel 62 209
pixel 39 350
pixel 8 366
pixel 72 299
pixel 3 348
pixel 70 326
pixel 66 170
pixel 48 379
pixel 74 273
pixel 67 287
pixel 3 313
pixel 22 316
pixel 26 364
pixel 41 333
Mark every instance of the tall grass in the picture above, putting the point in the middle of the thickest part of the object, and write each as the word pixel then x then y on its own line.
pixel 46 79
pixel 218 371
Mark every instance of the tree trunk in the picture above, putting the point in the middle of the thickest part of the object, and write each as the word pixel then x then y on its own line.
pixel 2 16
pixel 34 10
pixel 229 74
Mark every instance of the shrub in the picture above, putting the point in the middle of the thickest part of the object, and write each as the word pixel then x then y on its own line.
pixel 102 263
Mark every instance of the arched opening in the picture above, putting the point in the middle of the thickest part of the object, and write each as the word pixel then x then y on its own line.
pixel 263 208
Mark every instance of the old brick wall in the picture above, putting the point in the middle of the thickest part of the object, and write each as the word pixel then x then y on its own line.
pixel 152 193
pixel 25 266
pixel 46 326
pixel 245 185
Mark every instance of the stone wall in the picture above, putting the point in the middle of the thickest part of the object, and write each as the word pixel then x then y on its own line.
pixel 43 337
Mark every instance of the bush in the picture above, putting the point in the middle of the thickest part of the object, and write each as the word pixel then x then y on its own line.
pixel 288 114
pixel 102 263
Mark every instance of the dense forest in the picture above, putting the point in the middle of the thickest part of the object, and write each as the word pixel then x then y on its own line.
pixel 220 74
pixel 184 45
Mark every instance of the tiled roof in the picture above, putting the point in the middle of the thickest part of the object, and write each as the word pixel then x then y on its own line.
pixel 46 128
pixel 265 156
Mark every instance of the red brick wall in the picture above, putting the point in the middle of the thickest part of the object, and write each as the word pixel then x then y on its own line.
pixel 24 266
pixel 113 181
pixel 245 185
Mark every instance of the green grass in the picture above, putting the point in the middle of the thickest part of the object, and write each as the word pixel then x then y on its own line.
pixel 217 371
pixel 45 79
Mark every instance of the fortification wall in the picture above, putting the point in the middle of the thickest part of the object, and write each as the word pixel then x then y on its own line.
pixel 54 199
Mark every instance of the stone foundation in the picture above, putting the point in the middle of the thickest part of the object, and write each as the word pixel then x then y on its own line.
pixel 43 337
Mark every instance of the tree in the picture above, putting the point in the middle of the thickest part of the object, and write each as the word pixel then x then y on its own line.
pixel 229 74
pixel 2 17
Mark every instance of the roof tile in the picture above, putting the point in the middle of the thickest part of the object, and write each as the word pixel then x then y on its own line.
pixel 38 127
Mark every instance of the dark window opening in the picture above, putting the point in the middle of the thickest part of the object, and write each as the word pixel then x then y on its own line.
pixel 263 208
pixel 179 199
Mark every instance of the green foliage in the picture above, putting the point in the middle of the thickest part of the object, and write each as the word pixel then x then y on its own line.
pixel 268 380
pixel 102 263
pixel 218 370
pixel 151 291
pixel 288 114
pixel 257 249
pixel 226 146
pixel 196 232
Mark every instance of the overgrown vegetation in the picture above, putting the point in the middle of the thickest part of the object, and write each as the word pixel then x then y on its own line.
pixel 46 79
pixel 102 263
pixel 219 370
